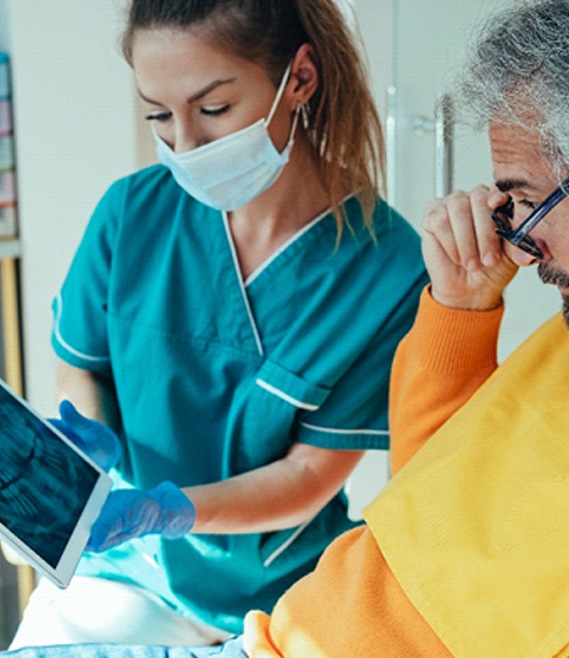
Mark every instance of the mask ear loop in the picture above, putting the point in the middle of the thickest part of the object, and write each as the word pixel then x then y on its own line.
pixel 297 114
pixel 298 110
pixel 280 92
pixel 290 142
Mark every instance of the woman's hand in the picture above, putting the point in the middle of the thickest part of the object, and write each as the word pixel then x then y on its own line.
pixel 96 440
pixel 463 254
pixel 130 513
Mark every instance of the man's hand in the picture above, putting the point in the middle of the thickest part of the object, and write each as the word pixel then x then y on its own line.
pixel 463 254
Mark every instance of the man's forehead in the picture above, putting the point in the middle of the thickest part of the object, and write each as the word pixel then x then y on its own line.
pixel 514 141
pixel 518 158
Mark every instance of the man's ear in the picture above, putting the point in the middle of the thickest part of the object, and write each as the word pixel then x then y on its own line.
pixel 304 77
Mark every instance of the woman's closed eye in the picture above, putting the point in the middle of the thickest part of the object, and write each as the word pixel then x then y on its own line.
pixel 207 111
pixel 158 116
pixel 214 111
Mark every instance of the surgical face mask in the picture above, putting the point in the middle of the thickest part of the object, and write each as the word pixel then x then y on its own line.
pixel 231 171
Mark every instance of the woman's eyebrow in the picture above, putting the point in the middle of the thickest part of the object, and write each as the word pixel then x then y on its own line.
pixel 194 97
pixel 208 88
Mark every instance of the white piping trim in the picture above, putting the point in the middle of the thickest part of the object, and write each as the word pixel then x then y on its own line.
pixel 274 555
pixel 284 396
pixel 241 285
pixel 290 241
pixel 337 431
pixel 284 247
pixel 65 344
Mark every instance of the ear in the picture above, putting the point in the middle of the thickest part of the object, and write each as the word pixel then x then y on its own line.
pixel 304 78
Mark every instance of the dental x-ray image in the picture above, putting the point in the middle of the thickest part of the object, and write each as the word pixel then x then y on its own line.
pixel 44 483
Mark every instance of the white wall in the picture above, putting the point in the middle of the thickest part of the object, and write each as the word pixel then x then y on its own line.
pixel 74 123
pixel 4 25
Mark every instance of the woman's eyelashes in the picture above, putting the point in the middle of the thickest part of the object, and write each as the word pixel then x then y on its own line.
pixel 158 116
pixel 215 111
pixel 209 111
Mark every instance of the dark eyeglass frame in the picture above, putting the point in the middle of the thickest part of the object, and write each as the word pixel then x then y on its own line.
pixel 519 237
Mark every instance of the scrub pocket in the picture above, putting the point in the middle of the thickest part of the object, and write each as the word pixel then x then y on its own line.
pixel 268 414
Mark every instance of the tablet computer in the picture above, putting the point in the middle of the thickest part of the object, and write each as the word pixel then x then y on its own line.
pixel 50 491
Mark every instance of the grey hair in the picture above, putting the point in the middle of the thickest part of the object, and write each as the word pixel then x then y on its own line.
pixel 518 73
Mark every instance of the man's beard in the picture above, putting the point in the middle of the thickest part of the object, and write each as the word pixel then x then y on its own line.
pixel 558 278
pixel 565 309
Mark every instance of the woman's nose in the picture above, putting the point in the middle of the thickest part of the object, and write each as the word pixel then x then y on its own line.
pixel 183 145
pixel 184 139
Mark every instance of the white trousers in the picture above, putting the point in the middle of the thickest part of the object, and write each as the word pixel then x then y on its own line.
pixel 100 610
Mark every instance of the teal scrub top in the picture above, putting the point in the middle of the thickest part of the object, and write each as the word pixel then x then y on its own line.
pixel 216 376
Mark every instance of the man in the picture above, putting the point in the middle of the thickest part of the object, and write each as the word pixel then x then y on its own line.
pixel 466 551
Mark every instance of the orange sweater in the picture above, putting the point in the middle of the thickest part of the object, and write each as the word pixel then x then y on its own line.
pixel 352 605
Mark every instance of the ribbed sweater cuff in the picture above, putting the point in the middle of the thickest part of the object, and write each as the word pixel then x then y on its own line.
pixel 453 340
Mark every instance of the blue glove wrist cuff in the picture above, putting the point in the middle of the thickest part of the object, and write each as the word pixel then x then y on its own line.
pixel 178 511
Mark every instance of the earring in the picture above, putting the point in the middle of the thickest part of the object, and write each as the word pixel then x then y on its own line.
pixel 305 114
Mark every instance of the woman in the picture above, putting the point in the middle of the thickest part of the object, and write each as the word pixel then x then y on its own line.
pixel 232 313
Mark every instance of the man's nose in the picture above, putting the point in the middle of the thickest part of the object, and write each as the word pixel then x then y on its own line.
pixel 518 256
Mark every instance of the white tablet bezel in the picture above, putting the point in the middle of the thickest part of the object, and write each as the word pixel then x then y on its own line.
pixel 62 573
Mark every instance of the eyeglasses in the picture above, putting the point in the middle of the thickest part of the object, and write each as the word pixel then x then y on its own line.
pixel 519 237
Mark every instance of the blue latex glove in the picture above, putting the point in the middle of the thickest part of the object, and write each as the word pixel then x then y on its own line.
pixel 129 513
pixel 96 440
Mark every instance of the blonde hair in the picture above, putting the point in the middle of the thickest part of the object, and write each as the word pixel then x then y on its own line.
pixel 343 125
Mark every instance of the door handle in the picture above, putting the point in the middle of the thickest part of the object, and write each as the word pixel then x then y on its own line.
pixel 443 128
pixel 444 146
pixel 391 147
